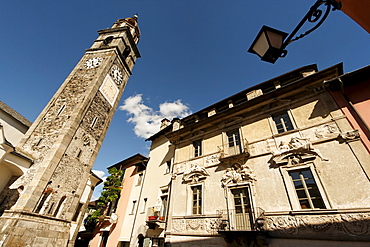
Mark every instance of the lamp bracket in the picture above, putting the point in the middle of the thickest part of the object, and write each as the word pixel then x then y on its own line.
pixel 315 14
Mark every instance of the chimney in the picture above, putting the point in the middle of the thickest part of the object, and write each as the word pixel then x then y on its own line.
pixel 164 123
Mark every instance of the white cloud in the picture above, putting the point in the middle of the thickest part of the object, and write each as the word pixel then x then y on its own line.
pixel 147 121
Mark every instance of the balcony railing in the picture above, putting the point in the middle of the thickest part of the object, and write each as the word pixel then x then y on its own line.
pixel 229 150
pixel 236 220
pixel 156 214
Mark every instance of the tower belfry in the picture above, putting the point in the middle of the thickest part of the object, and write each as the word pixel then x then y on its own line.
pixel 65 140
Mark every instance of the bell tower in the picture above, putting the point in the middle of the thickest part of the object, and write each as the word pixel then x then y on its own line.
pixel 65 139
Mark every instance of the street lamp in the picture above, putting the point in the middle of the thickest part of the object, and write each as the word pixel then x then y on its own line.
pixel 269 44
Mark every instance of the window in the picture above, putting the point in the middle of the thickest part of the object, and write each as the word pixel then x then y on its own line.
pixel 164 207
pixel 144 205
pixel 197 148
pixel 196 199
pixel 306 189
pixel 233 140
pixel 46 195
pixel 168 167
pixel 282 122
pixel 139 179
pixel 60 206
pixel 61 109
pixel 94 121
pixel 133 207
pixel 77 213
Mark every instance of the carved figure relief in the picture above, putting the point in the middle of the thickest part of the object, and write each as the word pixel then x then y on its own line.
pixel 201 225
pixel 237 174
pixel 338 224
pixel 326 131
pixel 195 174
pixel 295 152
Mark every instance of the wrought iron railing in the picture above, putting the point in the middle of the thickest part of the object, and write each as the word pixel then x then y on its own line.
pixel 241 220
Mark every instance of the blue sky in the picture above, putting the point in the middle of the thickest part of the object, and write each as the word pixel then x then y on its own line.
pixel 193 55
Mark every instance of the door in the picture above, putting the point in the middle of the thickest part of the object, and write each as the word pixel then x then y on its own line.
pixel 242 220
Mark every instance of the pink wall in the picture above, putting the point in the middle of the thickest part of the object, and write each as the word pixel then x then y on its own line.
pixel 128 181
pixel 359 95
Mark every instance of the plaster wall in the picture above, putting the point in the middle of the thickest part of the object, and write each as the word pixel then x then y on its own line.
pixel 120 231
pixel 14 130
pixel 5 175
pixel 146 195
pixel 335 166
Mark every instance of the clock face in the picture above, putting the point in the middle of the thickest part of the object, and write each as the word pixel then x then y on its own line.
pixel 93 62
pixel 116 74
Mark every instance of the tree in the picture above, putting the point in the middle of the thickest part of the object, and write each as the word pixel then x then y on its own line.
pixel 110 193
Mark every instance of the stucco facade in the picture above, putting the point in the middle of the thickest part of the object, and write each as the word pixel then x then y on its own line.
pixel 12 164
pixel 278 164
pixel 284 165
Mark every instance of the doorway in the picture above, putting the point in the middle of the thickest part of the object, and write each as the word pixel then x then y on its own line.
pixel 242 220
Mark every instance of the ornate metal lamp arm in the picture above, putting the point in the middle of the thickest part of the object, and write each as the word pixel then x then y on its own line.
pixel 313 15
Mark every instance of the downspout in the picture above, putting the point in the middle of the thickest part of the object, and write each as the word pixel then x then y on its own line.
pixel 361 120
pixel 139 200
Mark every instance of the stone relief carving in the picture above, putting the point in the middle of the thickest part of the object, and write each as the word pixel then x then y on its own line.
pixel 295 152
pixel 339 224
pixel 178 225
pixel 350 135
pixel 194 174
pixel 237 174
pixel 213 159
pixel 326 131
pixel 201 225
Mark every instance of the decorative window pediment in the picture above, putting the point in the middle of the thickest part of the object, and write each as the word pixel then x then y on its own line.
pixel 297 151
pixel 195 174
pixel 237 174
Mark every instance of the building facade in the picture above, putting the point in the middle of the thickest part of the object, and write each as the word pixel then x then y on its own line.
pixel 142 207
pixel 278 164
pixel 65 139
pixel 12 163
pixel 112 226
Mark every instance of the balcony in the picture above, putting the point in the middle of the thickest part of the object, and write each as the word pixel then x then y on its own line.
pixel 243 227
pixel 156 214
pixel 230 150
pixel 235 220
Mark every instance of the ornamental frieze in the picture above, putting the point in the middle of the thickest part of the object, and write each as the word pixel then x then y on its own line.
pixel 200 225
pixel 357 224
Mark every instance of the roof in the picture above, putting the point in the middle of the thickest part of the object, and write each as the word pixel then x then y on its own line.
pixel 135 159
pixel 11 112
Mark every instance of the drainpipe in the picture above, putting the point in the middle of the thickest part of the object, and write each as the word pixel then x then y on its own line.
pixel 139 199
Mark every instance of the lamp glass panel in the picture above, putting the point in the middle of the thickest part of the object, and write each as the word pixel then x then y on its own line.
pixel 276 40
pixel 262 45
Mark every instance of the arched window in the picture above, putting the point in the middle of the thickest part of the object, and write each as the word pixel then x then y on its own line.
pixel 45 197
pixel 59 207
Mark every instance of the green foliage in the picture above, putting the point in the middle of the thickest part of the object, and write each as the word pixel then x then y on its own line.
pixel 110 193
pixel 111 189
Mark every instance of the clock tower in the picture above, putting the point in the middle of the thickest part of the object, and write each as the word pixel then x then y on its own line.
pixel 65 139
